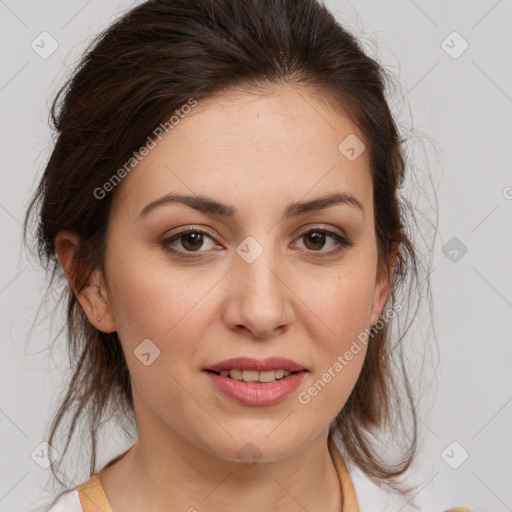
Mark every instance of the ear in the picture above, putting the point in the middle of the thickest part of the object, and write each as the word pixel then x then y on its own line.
pixel 383 286
pixel 93 296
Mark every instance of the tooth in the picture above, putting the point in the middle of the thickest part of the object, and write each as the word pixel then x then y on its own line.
pixel 267 376
pixel 255 376
pixel 250 375
pixel 236 374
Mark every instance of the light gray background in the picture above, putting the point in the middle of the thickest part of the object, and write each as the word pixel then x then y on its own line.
pixel 463 105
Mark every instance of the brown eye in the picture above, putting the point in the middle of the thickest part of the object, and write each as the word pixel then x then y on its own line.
pixel 316 239
pixel 192 241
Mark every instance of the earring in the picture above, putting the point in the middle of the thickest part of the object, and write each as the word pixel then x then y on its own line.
pixel 99 319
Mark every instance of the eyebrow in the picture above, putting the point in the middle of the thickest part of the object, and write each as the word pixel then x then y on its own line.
pixel 210 206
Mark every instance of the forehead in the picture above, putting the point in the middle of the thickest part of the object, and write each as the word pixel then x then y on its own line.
pixel 273 143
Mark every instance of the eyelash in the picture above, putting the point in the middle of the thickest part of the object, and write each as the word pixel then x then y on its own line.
pixel 343 243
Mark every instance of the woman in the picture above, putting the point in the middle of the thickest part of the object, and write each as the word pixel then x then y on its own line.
pixel 222 201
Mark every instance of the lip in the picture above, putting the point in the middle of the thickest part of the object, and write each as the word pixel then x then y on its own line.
pixel 260 365
pixel 257 393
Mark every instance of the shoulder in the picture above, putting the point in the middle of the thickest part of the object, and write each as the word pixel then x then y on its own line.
pixel 373 498
pixel 69 502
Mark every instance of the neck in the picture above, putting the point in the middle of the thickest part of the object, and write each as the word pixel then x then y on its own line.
pixel 158 471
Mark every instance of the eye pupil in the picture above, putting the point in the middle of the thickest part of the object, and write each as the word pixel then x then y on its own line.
pixel 196 243
pixel 316 237
pixel 193 241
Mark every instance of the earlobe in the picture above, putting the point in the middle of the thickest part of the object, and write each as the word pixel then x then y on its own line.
pixel 95 303
pixel 92 295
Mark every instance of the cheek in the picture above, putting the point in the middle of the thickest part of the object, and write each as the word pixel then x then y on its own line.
pixel 338 322
pixel 341 303
pixel 156 300
pixel 340 333
pixel 171 310
pixel 329 391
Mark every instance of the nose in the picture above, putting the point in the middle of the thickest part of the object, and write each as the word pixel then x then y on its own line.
pixel 259 300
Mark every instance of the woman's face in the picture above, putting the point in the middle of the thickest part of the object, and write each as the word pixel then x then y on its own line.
pixel 260 276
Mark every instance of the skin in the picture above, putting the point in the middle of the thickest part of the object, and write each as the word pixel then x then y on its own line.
pixel 257 153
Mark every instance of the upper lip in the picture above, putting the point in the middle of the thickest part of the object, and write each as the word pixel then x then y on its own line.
pixel 260 365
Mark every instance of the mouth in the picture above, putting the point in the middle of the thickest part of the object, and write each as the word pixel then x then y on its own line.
pixel 256 376
pixel 256 388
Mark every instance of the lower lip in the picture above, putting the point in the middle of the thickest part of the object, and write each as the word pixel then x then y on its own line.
pixel 257 393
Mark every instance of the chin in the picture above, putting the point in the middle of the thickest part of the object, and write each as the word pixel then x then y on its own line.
pixel 252 448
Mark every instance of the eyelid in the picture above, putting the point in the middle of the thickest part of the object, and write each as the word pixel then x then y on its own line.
pixel 321 227
pixel 189 227
pixel 342 240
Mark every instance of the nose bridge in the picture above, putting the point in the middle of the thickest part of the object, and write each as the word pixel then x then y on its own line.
pixel 259 261
pixel 260 299
pixel 259 275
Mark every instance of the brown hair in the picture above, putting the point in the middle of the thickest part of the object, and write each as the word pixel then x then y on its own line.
pixel 135 74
